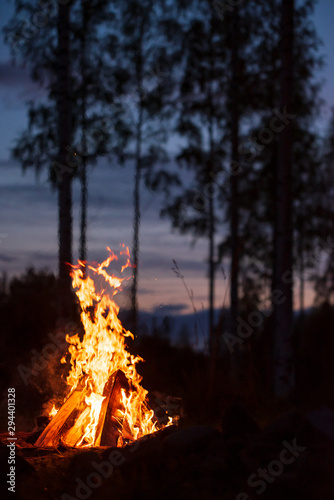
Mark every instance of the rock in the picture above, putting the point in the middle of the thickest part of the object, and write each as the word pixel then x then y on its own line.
pixel 287 487
pixel 81 463
pixel 191 440
pixel 235 445
pixel 309 473
pixel 238 422
pixel 143 449
pixel 135 468
pixel 323 420
pixel 257 455
pixel 319 470
pixel 292 428
pixel 291 425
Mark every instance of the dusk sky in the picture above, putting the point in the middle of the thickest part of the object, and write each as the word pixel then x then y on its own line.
pixel 28 228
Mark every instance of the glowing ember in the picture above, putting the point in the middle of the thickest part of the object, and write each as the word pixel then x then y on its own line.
pixel 101 354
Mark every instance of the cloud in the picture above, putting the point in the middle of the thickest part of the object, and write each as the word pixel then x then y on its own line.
pixel 169 309
pixel 164 258
pixel 31 225
pixel 46 257
pixel 6 259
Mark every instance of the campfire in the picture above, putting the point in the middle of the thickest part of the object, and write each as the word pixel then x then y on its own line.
pixel 106 404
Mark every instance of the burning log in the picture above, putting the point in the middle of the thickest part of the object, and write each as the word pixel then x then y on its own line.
pixel 64 419
pixel 110 426
pixel 67 427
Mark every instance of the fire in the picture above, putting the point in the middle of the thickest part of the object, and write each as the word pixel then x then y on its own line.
pixel 49 409
pixel 53 411
pixel 101 354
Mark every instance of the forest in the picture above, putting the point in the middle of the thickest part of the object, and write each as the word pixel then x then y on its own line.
pixel 215 107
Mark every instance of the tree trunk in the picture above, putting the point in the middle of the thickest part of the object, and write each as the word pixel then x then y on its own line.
pixel 83 176
pixel 136 190
pixel 83 215
pixel 234 182
pixel 213 332
pixel 301 282
pixel 213 340
pixel 283 312
pixel 234 223
pixel 135 245
pixel 64 293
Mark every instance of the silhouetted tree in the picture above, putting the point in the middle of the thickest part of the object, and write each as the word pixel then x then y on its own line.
pixel 324 281
pixel 233 105
pixel 201 120
pixel 64 134
pixel 259 245
pixel 137 75
pixel 48 58
pixel 53 124
pixel 92 136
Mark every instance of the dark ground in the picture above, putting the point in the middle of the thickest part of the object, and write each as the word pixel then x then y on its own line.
pixel 238 461
pixel 218 450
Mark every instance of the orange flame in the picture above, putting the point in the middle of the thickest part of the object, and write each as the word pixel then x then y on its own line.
pixel 102 352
